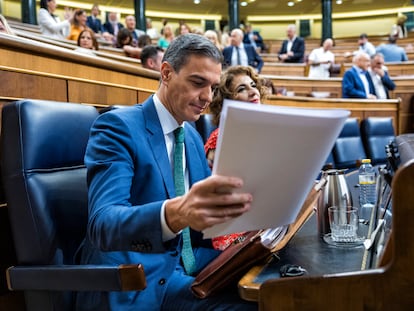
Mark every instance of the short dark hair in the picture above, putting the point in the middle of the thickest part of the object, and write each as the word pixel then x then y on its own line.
pixel 184 46
pixel 43 4
pixel 149 51
pixel 363 36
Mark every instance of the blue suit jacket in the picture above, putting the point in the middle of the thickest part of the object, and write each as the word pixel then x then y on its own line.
pixel 259 42
pixel 95 25
pixel 298 49
pixel 254 59
pixel 352 86
pixel 129 178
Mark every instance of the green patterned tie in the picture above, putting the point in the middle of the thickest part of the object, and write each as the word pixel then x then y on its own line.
pixel 187 254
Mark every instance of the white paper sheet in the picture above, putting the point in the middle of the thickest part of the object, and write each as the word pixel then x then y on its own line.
pixel 278 151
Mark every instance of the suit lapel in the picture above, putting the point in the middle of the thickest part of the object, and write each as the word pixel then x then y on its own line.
pixel 156 140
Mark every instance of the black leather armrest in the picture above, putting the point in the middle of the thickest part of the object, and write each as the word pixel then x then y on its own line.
pixel 76 278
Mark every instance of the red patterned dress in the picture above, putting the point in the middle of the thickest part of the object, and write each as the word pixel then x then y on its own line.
pixel 220 242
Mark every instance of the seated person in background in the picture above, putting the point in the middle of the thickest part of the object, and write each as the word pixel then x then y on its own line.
pixel 151 57
pixel 380 78
pixel 79 24
pixel 50 24
pixel 87 42
pixel 293 48
pixel 213 37
pixel 364 46
pixel 136 214
pixel 111 27
pixel 135 51
pixel 123 38
pixel 399 30
pixel 270 88
pixel 254 38
pixel 239 53
pixel 357 82
pixel 167 37
pixel 130 24
pixel 320 60
pixel 93 21
pixel 151 31
pixel 4 26
pixel 238 83
pixel 391 51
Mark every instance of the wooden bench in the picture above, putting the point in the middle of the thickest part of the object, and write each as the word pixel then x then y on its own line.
pixel 404 90
pixel 394 68
pixel 359 108
pixel 285 69
pixel 21 83
pixel 16 52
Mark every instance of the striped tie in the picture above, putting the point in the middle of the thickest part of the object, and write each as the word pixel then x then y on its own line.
pixel 187 254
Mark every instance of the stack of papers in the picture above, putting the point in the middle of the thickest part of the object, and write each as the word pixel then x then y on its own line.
pixel 278 152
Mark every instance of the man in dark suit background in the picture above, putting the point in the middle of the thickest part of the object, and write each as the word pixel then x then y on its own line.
pixel 239 53
pixel 112 25
pixel 93 21
pixel 254 38
pixel 293 48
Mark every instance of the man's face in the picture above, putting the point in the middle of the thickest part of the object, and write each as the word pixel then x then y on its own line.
pixel 377 62
pixel 190 91
pixel 363 62
pixel 130 22
pixel 290 32
pixel 235 38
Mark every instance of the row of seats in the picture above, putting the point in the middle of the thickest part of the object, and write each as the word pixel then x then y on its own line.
pixel 358 141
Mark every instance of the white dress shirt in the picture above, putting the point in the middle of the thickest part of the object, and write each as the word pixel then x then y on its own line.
pixel 168 125
pixel 243 56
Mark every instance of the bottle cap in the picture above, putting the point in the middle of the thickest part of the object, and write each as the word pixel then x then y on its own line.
pixel 366 160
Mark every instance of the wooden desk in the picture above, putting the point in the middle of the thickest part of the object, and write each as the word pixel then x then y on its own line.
pixel 308 250
pixel 388 287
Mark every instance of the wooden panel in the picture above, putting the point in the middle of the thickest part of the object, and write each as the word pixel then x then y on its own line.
pixel 359 108
pixel 283 69
pixel 32 55
pixel 20 85
pixel 84 92
pixel 302 86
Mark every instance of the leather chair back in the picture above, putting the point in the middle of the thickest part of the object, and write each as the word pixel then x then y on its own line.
pixel 42 150
pixel 348 147
pixel 376 133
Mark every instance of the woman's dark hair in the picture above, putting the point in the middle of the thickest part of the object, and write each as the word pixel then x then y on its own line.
pixel 78 13
pixel 122 35
pixel 43 4
pixel 144 40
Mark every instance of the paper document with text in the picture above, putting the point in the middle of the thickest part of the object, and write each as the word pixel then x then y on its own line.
pixel 278 152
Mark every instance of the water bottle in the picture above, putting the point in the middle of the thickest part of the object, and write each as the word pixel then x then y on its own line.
pixel 367 190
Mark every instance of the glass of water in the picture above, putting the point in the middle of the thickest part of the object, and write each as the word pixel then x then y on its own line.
pixel 344 223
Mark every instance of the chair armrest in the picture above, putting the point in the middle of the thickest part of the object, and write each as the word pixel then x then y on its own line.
pixel 76 278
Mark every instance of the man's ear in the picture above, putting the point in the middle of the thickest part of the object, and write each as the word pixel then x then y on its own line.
pixel 166 71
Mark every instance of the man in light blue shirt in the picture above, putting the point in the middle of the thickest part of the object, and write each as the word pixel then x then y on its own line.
pixel 391 51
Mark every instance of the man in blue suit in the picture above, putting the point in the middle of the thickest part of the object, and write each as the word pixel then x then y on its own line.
pixel 93 21
pixel 135 215
pixel 357 82
pixel 239 53
pixel 293 48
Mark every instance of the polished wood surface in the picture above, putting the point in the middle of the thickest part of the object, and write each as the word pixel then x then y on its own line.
pixel 359 108
pixel 28 54
pixel 302 86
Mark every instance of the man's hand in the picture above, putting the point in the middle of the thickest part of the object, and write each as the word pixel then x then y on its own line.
pixel 209 202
